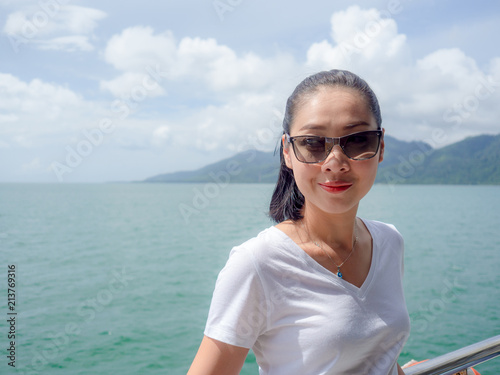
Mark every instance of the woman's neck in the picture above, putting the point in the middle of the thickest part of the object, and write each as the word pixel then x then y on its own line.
pixel 336 230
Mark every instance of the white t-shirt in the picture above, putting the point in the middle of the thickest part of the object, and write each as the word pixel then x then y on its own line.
pixel 299 318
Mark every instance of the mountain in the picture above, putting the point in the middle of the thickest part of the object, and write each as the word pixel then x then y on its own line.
pixel 475 160
pixel 246 167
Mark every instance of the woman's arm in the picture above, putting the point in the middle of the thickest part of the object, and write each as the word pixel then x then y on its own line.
pixel 218 358
pixel 400 371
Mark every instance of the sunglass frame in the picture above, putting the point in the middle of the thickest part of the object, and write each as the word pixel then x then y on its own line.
pixel 341 141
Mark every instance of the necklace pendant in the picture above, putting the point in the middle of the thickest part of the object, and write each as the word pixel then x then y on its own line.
pixel 339 274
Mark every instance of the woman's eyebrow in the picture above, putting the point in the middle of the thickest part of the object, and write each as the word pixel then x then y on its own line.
pixel 360 123
pixel 312 127
pixel 323 127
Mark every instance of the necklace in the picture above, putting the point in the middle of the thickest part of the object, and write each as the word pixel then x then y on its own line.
pixel 339 274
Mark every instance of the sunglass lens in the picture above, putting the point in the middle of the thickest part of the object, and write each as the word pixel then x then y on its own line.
pixel 362 145
pixel 310 149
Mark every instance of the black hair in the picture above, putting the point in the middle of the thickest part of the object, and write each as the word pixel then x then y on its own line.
pixel 287 201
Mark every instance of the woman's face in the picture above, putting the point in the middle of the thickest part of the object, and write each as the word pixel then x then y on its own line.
pixel 336 185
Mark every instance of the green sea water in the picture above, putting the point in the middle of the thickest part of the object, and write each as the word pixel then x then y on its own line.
pixel 117 278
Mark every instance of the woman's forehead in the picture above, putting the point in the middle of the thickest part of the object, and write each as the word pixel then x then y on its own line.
pixel 332 106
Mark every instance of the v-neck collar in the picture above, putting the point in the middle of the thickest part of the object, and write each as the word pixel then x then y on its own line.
pixel 312 264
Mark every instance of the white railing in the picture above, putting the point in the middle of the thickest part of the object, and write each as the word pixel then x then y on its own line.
pixel 453 362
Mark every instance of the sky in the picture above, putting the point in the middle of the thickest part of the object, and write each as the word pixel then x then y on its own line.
pixel 103 91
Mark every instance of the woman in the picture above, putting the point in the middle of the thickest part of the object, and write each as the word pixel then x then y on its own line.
pixel 321 292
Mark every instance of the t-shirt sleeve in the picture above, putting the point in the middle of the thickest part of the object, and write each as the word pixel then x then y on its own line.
pixel 237 313
pixel 399 246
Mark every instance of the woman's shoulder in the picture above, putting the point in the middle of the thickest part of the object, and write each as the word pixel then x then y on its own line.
pixel 257 258
pixel 263 244
pixel 381 231
pixel 268 250
pixel 379 226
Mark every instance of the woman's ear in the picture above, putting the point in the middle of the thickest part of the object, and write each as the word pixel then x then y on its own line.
pixel 382 147
pixel 286 153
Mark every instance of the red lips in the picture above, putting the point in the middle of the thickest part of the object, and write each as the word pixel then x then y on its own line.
pixel 335 186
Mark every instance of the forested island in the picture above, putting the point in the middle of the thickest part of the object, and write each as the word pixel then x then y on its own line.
pixel 473 161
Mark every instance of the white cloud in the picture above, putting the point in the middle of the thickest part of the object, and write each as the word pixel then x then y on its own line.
pixel 23 141
pixel 359 36
pixel 201 62
pixel 42 21
pixel 244 122
pixel 160 135
pixel 15 23
pixel 56 26
pixel 79 20
pixel 31 109
pixel 34 164
pixel 35 97
pixel 451 62
pixel 248 86
pixel 438 91
pixel 7 3
pixel 67 43
pixel 417 96
pixel 8 118
pixel 133 83
pixel 199 94
pixel 138 46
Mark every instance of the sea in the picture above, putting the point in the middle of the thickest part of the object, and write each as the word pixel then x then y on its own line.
pixel 117 278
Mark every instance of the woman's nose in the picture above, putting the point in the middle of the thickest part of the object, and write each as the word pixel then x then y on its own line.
pixel 336 160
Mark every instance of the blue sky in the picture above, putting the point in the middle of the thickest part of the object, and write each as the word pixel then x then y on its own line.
pixel 112 91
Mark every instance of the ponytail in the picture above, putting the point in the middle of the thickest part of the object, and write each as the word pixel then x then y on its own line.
pixel 287 200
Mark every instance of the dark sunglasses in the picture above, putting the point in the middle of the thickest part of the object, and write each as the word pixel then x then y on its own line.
pixel 357 146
